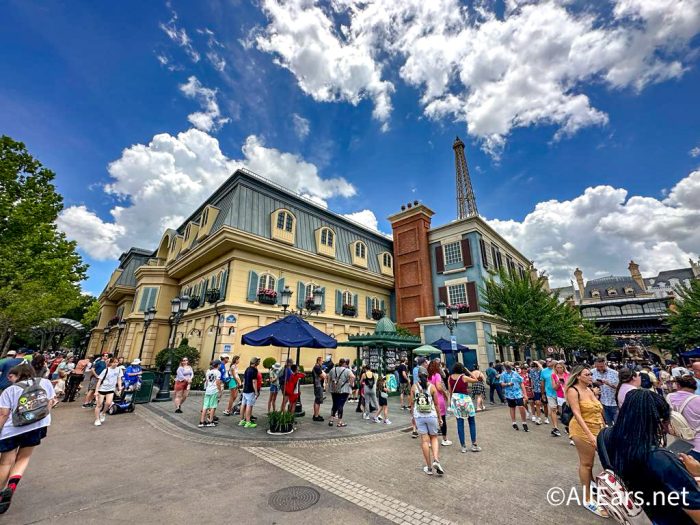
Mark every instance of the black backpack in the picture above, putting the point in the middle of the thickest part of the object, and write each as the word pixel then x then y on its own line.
pixel 33 404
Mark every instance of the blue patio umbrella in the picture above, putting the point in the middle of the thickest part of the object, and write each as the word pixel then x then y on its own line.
pixel 446 345
pixel 290 331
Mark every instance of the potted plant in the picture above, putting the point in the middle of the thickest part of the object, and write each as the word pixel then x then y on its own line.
pixel 213 295
pixel 113 321
pixel 462 308
pixel 309 304
pixel 194 303
pixel 349 310
pixel 280 422
pixel 377 314
pixel 266 296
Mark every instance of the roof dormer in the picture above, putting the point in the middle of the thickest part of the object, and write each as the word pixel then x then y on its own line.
pixel 206 220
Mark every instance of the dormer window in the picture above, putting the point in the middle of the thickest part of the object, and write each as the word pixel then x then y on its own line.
pixel 360 250
pixel 327 237
pixel 205 216
pixel 187 232
pixel 595 293
pixel 358 254
pixel 285 221
pixel 612 292
pixel 282 226
pixel 629 290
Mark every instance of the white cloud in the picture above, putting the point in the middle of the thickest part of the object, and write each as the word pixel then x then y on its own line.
pixel 210 119
pixel 301 126
pixel 695 152
pixel 165 180
pixel 213 45
pixel 496 72
pixel 365 217
pixel 180 37
pixel 602 229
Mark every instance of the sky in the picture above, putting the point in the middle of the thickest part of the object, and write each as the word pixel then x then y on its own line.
pixel 581 119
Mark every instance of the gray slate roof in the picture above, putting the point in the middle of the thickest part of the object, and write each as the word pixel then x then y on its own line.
pixel 681 274
pixel 618 282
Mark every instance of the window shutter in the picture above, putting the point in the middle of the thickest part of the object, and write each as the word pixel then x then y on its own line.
pixel 301 292
pixel 151 297
pixel 280 286
pixel 467 253
pixel 355 302
pixel 224 282
pixel 381 306
pixel 439 259
pixel 144 299
pixel 252 286
pixel 323 299
pixel 203 296
pixel 484 258
pixel 472 297
pixel 368 308
pixel 338 302
pixel 442 295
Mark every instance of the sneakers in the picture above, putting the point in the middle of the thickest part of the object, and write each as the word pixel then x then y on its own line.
pixel 538 421
pixel 555 432
pixel 317 418
pixel 241 422
pixel 88 405
pixel 414 434
pixel 464 450
pixel 446 443
pixel 98 423
pixel 428 470
pixel 376 420
pixel 387 422
pixel 201 424
pixel 596 509
pixel 250 425
pixel 533 419
pixel 515 426
pixel 178 410
pixel 571 442
pixel 525 427
pixel 103 416
pixel 365 416
pixel 546 421
pixel 404 408
pixel 227 413
pixel 380 418
pixel 438 468
pixel 476 448
pixel 210 424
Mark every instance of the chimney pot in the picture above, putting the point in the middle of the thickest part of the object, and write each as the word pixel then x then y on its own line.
pixel 410 205
pixel 415 203
pixel 403 207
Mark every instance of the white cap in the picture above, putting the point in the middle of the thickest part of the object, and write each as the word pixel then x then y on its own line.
pixel 136 361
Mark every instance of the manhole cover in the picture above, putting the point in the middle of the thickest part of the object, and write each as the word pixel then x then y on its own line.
pixel 293 499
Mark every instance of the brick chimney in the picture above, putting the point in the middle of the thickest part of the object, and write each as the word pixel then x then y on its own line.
pixel 636 275
pixel 412 273
pixel 578 275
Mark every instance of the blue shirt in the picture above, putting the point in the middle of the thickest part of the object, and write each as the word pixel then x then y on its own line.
pixel 546 376
pixel 223 372
pixel 130 379
pixel 5 368
pixel 491 374
pixel 514 391
pixel 415 374
pixel 534 374
pixel 99 366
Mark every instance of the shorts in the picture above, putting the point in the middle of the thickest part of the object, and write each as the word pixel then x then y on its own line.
pixel 274 389
pixel 232 384
pixel 180 386
pixel 427 425
pixel 536 396
pixel 318 395
pixel 404 389
pixel 383 401
pixel 249 399
pixel 512 403
pixel 552 401
pixel 28 439
pixel 103 393
pixel 561 401
pixel 210 401
pixel 293 399
pixel 92 385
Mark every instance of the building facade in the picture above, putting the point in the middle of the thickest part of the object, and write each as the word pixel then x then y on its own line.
pixel 234 255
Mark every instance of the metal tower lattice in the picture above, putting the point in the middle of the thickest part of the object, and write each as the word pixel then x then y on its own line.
pixel 466 202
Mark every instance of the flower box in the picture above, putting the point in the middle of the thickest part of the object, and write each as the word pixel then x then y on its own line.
pixel 349 310
pixel 194 303
pixel 113 321
pixel 213 295
pixel 377 314
pixel 267 296
pixel 309 304
pixel 462 308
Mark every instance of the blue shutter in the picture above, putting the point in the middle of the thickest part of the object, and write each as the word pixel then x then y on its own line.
pixel 368 307
pixel 338 302
pixel 224 282
pixel 301 292
pixel 323 299
pixel 151 297
pixel 280 287
pixel 144 299
pixel 252 286
pixel 381 306
pixel 203 296
pixel 355 301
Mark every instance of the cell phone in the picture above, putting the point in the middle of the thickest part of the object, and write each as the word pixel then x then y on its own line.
pixel 680 447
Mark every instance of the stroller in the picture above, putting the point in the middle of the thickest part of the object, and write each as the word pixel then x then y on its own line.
pixel 124 401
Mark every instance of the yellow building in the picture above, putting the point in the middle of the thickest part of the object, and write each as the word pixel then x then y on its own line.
pixel 250 235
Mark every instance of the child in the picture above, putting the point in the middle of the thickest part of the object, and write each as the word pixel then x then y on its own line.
pixel 60 386
pixel 383 391
pixel 291 387
pixel 213 388
pixel 274 387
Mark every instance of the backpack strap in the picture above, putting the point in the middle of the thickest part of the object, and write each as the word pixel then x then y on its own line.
pixel 685 403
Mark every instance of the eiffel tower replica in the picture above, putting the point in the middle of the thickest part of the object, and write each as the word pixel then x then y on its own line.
pixel 466 202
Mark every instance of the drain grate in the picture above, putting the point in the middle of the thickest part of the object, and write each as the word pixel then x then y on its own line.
pixel 293 499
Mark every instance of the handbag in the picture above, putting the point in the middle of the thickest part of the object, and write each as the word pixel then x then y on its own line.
pixel 566 413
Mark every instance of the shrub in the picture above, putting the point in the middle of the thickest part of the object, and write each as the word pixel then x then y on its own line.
pixel 268 362
pixel 191 353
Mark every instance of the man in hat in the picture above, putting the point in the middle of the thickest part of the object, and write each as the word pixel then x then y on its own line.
pixel 132 375
pixel 251 392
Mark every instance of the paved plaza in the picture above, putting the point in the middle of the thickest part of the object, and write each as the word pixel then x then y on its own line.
pixel 154 466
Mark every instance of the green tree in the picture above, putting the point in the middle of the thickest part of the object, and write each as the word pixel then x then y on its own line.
pixel 684 318
pixel 91 314
pixel 40 270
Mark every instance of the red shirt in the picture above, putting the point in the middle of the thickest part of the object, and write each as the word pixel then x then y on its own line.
pixel 290 386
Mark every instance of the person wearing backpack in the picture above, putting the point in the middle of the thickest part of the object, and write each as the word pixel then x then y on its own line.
pixel 340 384
pixel 23 426
pixel 685 417
pixel 427 420
pixel 368 380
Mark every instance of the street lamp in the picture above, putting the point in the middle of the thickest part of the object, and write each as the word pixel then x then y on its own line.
pixel 178 307
pixel 105 333
pixel 450 321
pixel 148 317
pixel 214 297
pixel 120 326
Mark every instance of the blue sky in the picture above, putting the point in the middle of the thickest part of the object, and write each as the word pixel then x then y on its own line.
pixel 580 131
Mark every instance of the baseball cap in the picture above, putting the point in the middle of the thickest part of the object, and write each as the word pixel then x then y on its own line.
pixel 215 362
pixel 276 366
pixel 12 353
pixel 224 356
pixel 254 360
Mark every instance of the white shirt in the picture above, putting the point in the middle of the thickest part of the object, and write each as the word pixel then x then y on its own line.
pixel 110 377
pixel 210 383
pixel 9 399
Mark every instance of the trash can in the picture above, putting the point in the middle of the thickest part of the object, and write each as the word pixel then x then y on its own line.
pixel 146 393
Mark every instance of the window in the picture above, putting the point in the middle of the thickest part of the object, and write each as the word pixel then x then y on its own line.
pixel 387 260
pixel 376 305
pixel 327 237
pixel 610 310
pixel 629 290
pixel 612 292
pixel 284 221
pixel 453 253
pixel 347 298
pixel 205 216
pixel 187 232
pixel 521 271
pixel 457 294
pixel 360 250
pixel 484 255
pixel 595 293
pixel 497 259
pixel 309 290
pixel 654 308
pixel 590 312
pixel 148 298
pixel 266 282
pixel 631 309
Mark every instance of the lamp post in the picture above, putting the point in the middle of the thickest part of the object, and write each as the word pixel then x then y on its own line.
pixel 105 333
pixel 120 326
pixel 214 297
pixel 450 321
pixel 310 308
pixel 178 307
pixel 148 317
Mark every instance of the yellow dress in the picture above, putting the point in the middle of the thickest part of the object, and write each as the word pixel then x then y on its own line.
pixel 592 414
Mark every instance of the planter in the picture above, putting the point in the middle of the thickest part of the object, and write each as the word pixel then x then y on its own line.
pixel 377 314
pixel 213 295
pixel 194 303
pixel 280 423
pixel 348 312
pixel 267 299
pixel 464 310
pixel 281 430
